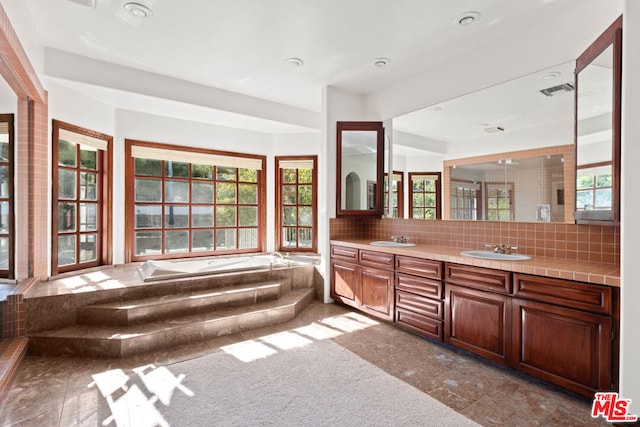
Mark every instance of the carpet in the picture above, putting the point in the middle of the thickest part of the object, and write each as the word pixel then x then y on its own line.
pixel 318 383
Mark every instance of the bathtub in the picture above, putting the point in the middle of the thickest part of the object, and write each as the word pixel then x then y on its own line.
pixel 171 269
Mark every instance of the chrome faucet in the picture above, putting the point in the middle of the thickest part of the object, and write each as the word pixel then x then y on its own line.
pixel 501 248
pixel 400 239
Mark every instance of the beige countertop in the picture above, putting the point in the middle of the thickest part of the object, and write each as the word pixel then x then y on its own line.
pixel 581 271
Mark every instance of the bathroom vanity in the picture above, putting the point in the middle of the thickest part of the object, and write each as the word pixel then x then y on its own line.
pixel 562 331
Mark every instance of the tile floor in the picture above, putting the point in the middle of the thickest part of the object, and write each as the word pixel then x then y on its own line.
pixel 56 392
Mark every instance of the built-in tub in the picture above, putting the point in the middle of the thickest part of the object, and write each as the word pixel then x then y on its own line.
pixel 162 270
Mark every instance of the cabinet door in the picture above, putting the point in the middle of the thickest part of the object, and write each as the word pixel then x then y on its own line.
pixel 478 321
pixel 344 282
pixel 376 287
pixel 567 347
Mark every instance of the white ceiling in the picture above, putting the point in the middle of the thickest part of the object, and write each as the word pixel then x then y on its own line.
pixel 240 45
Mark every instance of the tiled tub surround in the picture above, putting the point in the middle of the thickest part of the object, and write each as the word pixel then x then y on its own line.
pixel 594 249
pixel 53 304
pixel 111 312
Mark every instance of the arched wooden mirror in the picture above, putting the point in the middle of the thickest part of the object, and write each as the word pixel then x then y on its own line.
pixel 360 169
pixel 597 128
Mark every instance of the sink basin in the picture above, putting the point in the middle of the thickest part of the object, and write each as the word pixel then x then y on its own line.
pixel 496 256
pixel 391 243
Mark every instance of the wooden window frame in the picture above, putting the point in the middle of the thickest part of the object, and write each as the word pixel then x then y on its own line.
pixel 280 206
pixel 478 199
pixel 512 195
pixel 594 187
pixel 104 243
pixel 438 193
pixel 10 272
pixel 130 203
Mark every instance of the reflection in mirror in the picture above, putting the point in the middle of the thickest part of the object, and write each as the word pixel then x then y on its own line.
pixel 359 169
pixel 424 195
pixel 6 194
pixel 593 161
pixel 360 157
pixel 516 186
pixel 597 128
pixel 8 110
pixel 532 112
pixel 394 195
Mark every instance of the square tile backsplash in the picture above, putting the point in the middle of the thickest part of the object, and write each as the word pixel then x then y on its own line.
pixel 589 243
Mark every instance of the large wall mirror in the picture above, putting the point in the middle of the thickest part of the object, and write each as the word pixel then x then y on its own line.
pixel 597 128
pixel 511 145
pixel 360 166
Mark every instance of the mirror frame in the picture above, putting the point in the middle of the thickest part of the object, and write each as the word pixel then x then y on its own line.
pixel 361 126
pixel 612 36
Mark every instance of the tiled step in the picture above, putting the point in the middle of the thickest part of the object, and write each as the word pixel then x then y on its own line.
pixel 121 341
pixel 132 312
pixel 12 354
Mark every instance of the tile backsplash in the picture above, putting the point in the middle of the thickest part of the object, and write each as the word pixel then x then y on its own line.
pixel 589 243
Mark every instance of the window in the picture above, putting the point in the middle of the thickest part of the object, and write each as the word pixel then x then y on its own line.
pixel 296 196
pixel 500 198
pixel 394 195
pixel 6 196
pixel 81 196
pixel 424 195
pixel 465 200
pixel 192 202
pixel 594 187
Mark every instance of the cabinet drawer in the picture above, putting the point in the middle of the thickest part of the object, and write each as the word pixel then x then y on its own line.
pixel 345 253
pixel 421 325
pixel 419 304
pixel 419 267
pixel 478 278
pixel 417 285
pixel 377 259
pixel 566 293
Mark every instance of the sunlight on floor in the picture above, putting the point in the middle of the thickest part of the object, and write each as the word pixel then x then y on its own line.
pixel 130 406
pixel 127 402
pixel 251 350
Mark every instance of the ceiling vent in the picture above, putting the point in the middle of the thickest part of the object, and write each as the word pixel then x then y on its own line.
pixel 88 3
pixel 564 87
pixel 494 129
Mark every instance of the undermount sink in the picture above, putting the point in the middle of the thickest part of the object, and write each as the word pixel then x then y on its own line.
pixel 391 243
pixel 495 255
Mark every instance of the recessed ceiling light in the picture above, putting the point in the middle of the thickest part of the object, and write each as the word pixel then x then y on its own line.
pixel 467 18
pixel 381 62
pixel 294 62
pixel 138 10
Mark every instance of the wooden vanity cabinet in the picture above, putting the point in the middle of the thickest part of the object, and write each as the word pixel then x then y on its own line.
pixel 344 275
pixel 364 280
pixel 564 332
pixel 478 311
pixel 561 331
pixel 418 288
